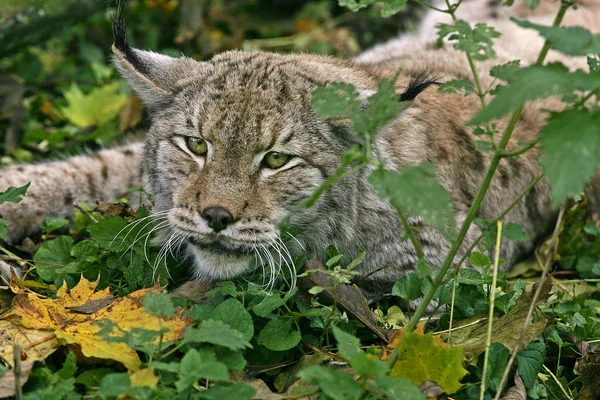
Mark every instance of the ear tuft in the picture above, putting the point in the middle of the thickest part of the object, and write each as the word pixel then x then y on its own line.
pixel 119 30
pixel 417 84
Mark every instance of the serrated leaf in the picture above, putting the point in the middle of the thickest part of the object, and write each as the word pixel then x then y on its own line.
pixel 514 231
pixel 368 365
pixel 454 85
pixel 422 358
pixel 216 332
pixel 408 287
pixel 111 234
pixel 355 5
pixel 95 108
pixel 581 146
pixel 530 361
pixel 391 7
pixel 335 101
pixel 159 304
pixel 505 71
pixel 14 194
pixel 233 313
pixel 200 364
pixel 53 258
pixel 335 384
pixel 416 190
pixel 477 41
pixel 396 388
pixel 570 40
pixel 383 106
pixel 279 335
pixel 535 82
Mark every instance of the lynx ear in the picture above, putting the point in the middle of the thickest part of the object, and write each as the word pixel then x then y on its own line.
pixel 155 77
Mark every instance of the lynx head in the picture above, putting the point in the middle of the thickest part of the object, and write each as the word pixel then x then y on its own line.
pixel 234 148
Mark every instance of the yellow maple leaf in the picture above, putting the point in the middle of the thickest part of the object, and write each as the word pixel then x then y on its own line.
pixel 73 318
pixel 424 357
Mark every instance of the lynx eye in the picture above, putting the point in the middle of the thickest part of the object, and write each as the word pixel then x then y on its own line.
pixel 276 160
pixel 196 145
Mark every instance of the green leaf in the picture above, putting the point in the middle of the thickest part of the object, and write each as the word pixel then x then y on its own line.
pixel 53 259
pixel 480 260
pixel 477 41
pixel 383 106
pixel 113 385
pixel 581 146
pixel 408 287
pixel 348 345
pixel 334 384
pixel 216 332
pixel 513 231
pixel 85 251
pixel 355 5
pixel 233 313
pixel 99 106
pixel 3 229
pixel 530 361
pixel 396 388
pixel 201 364
pixel 52 224
pixel 497 361
pixel 271 302
pixel 368 365
pixel 506 71
pixel 593 63
pixel 535 82
pixel 570 40
pixel 239 391
pixel 391 7
pixel 455 85
pixel 416 190
pixel 69 366
pixel 279 335
pixel 159 304
pixel 14 194
pixel 110 233
pixel 335 101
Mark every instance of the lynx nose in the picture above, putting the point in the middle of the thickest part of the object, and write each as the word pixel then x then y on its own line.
pixel 217 217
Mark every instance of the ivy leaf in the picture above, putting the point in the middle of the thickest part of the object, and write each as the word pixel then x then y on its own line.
pixel 334 384
pixel 233 313
pixel 580 146
pixel 51 224
pixel 14 194
pixel 335 101
pixel 535 82
pixel 279 335
pixel 408 287
pixel 530 361
pixel 455 85
pixel 570 40
pixel 416 190
pixel 513 231
pixel 95 108
pixel 216 332
pixel 200 364
pixel 425 358
pixel 396 388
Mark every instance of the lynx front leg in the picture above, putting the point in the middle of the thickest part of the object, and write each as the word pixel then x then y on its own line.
pixel 57 186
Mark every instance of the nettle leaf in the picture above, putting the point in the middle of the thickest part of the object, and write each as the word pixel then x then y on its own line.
pixel 408 287
pixel 355 5
pixel 535 82
pixel 334 384
pixel 53 259
pixel 416 190
pixel 279 335
pixel 497 361
pixel 457 84
pixel 51 224
pixel 216 332
pixel 159 304
pixel 95 108
pixel 580 146
pixel 570 40
pixel 383 106
pixel 477 41
pixel 530 362
pixel 234 314
pixel 505 71
pixel 391 7
pixel 396 388
pixel 335 101
pixel 14 194
pixel 513 231
pixel 200 364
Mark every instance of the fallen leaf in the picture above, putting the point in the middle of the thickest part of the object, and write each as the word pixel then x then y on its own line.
pixel 507 328
pixel 589 367
pixel 144 377
pixel 7 381
pixel 36 344
pixel 55 317
pixel 517 392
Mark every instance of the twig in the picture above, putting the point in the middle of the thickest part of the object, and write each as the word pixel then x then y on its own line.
pixel 488 340
pixel 86 213
pixel 532 307
pixel 567 395
pixel 479 321
pixel 17 371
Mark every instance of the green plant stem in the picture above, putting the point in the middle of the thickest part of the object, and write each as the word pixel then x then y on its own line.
pixel 409 231
pixel 536 295
pixel 522 150
pixel 424 4
pixel 339 175
pixel 479 198
pixel 488 340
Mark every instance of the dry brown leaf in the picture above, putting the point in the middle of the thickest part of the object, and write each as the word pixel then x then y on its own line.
pixel 517 392
pixel 55 317
pixel 7 381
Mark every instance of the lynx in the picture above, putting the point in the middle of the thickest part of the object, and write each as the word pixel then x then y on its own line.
pixel 235 146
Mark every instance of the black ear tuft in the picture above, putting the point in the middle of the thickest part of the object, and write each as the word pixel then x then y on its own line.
pixel 119 30
pixel 417 84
